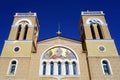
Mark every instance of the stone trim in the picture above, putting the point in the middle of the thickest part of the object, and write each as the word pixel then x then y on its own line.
pixel 13 41
pixel 104 40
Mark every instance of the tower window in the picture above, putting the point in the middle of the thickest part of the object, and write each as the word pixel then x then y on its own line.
pixel 101 48
pixel 16 49
pixel 92 31
pixel 25 33
pixel 12 67
pixel 106 67
pixel 74 68
pixel 100 31
pixel 18 33
pixel 52 68
pixel 59 68
pixel 67 68
pixel 44 68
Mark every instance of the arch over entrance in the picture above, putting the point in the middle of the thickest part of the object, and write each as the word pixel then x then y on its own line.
pixel 59 60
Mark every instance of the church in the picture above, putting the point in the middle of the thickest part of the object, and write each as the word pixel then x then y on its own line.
pixel 94 57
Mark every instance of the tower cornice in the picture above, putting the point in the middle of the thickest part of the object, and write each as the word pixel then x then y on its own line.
pixel 29 14
pixel 95 13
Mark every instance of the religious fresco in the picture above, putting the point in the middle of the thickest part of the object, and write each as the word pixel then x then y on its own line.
pixel 59 53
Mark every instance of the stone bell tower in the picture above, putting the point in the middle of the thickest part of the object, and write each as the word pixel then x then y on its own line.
pixel 95 36
pixel 23 35
pixel 99 47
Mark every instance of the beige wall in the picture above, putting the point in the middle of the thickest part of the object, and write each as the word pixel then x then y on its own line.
pixel 25 48
pixel 92 48
pixel 22 68
pixel 74 45
pixel 28 67
pixel 96 68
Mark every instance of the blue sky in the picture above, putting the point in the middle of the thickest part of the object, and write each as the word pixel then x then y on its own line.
pixel 64 12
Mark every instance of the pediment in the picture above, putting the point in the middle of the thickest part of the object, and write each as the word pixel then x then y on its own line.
pixel 59 40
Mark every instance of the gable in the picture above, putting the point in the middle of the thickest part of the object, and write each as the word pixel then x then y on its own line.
pixel 60 40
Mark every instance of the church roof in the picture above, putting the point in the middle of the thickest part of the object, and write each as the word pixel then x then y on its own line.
pixel 60 37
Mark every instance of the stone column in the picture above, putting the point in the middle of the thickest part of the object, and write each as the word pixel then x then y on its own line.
pixel 63 72
pixel 55 69
pixel 70 69
pixel 48 68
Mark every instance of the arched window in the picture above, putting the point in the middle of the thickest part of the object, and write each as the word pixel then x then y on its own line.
pixel 51 68
pixel 74 68
pixel 95 22
pixel 25 33
pixel 12 67
pixel 67 68
pixel 106 67
pixel 59 68
pixel 18 33
pixel 60 61
pixel 44 68
pixel 92 31
pixel 23 25
pixel 100 31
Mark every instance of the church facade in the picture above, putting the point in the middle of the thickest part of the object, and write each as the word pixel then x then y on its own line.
pixel 94 57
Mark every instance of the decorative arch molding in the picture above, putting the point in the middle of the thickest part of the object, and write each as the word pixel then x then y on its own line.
pixel 59 46
pixel 9 66
pixel 24 19
pixel 94 20
pixel 72 68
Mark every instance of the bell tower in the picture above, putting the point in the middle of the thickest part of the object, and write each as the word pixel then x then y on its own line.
pixel 95 36
pixel 23 36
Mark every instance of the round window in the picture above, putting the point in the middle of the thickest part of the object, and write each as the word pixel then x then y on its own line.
pixel 16 49
pixel 101 48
